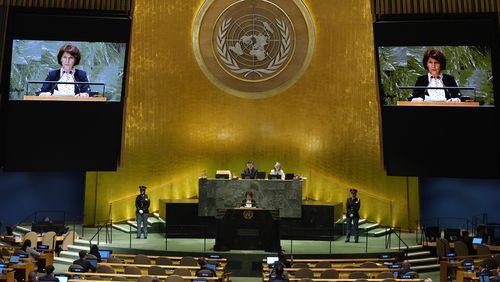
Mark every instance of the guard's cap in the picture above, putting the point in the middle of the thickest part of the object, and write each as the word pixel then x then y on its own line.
pixel 352 190
pixel 142 187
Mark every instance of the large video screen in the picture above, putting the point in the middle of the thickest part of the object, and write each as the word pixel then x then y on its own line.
pixel 64 76
pixel 458 74
pixel 61 70
pixel 438 82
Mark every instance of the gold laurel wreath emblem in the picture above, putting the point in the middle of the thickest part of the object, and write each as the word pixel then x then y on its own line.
pixel 232 64
pixel 247 215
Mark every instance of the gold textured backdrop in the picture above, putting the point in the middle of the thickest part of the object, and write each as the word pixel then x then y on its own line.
pixel 178 126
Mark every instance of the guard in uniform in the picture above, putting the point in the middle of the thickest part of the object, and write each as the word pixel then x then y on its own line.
pixel 352 215
pixel 142 205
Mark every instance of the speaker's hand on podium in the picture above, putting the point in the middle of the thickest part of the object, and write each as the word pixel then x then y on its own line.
pixel 453 100
pixel 417 99
pixel 82 94
pixel 45 94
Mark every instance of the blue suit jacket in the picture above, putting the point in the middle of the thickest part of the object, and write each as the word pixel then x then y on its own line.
pixel 448 81
pixel 55 75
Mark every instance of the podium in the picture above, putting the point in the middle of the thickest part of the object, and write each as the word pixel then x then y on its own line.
pixel 247 229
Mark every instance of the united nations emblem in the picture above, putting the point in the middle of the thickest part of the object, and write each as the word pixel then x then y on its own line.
pixel 248 215
pixel 253 48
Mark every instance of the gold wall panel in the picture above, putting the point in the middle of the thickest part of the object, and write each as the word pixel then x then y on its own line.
pixel 179 126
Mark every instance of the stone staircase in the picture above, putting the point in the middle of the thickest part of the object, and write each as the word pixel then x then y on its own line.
pixel 155 225
pixel 421 260
pixel 66 258
pixel 373 229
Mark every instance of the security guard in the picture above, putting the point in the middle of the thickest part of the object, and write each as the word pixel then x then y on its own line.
pixel 142 205
pixel 353 205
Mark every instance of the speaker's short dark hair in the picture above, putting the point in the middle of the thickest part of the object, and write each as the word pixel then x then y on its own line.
pixel 70 49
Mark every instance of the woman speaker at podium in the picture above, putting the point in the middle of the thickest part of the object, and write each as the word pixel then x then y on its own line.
pixel 248 202
pixel 68 57
pixel 434 62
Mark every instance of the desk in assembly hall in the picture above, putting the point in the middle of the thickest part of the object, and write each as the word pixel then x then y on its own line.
pixel 7 277
pixel 22 270
pixel 18 240
pixel 221 194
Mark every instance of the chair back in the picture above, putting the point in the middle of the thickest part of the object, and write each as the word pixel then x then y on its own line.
pixel 182 272
pixel 358 275
pixel 145 279
pixel 368 264
pixel 304 273
pixel 75 266
pixel 90 256
pixel 163 261
pixel 385 274
pixel 142 259
pixel 322 264
pixel 412 274
pixel 102 268
pixel 49 239
pixel 188 261
pixel 114 260
pixel 119 278
pixel 173 278
pixel 33 237
pixel 483 250
pixel 205 273
pixel 301 265
pixel 130 269
pixel 156 270
pixel 330 274
pixel 461 248
pixel 442 247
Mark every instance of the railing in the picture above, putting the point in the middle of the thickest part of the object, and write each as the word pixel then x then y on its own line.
pixel 108 226
pixel 388 239
pixel 470 224
pixel 67 218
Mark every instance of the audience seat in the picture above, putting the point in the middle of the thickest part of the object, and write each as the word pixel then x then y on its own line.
pixel 188 261
pixel 368 264
pixel 182 272
pixel 104 269
pixel 114 260
pixel 130 269
pixel 171 278
pixel 163 261
pixel 330 274
pixel 322 264
pixel 385 274
pixel 156 270
pixel 304 273
pixel 141 259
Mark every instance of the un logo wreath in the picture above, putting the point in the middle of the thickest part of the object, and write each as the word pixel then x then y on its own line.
pixel 232 64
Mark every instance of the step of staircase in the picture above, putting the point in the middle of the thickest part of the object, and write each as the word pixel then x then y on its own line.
pixel 367 226
pixel 426 268
pixel 423 261
pixel 123 227
pixel 22 229
pixel 419 254
pixel 378 232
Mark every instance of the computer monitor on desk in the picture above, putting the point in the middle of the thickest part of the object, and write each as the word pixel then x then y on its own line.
pixel 274 176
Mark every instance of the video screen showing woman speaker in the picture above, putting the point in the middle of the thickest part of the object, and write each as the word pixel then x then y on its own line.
pixel 439 74
pixel 60 70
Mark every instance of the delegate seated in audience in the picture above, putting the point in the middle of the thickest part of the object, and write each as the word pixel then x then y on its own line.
pixel 405 268
pixel 94 250
pixel 278 273
pixel 202 262
pixel 32 276
pixel 32 254
pixel 468 242
pixel 83 262
pixel 49 274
